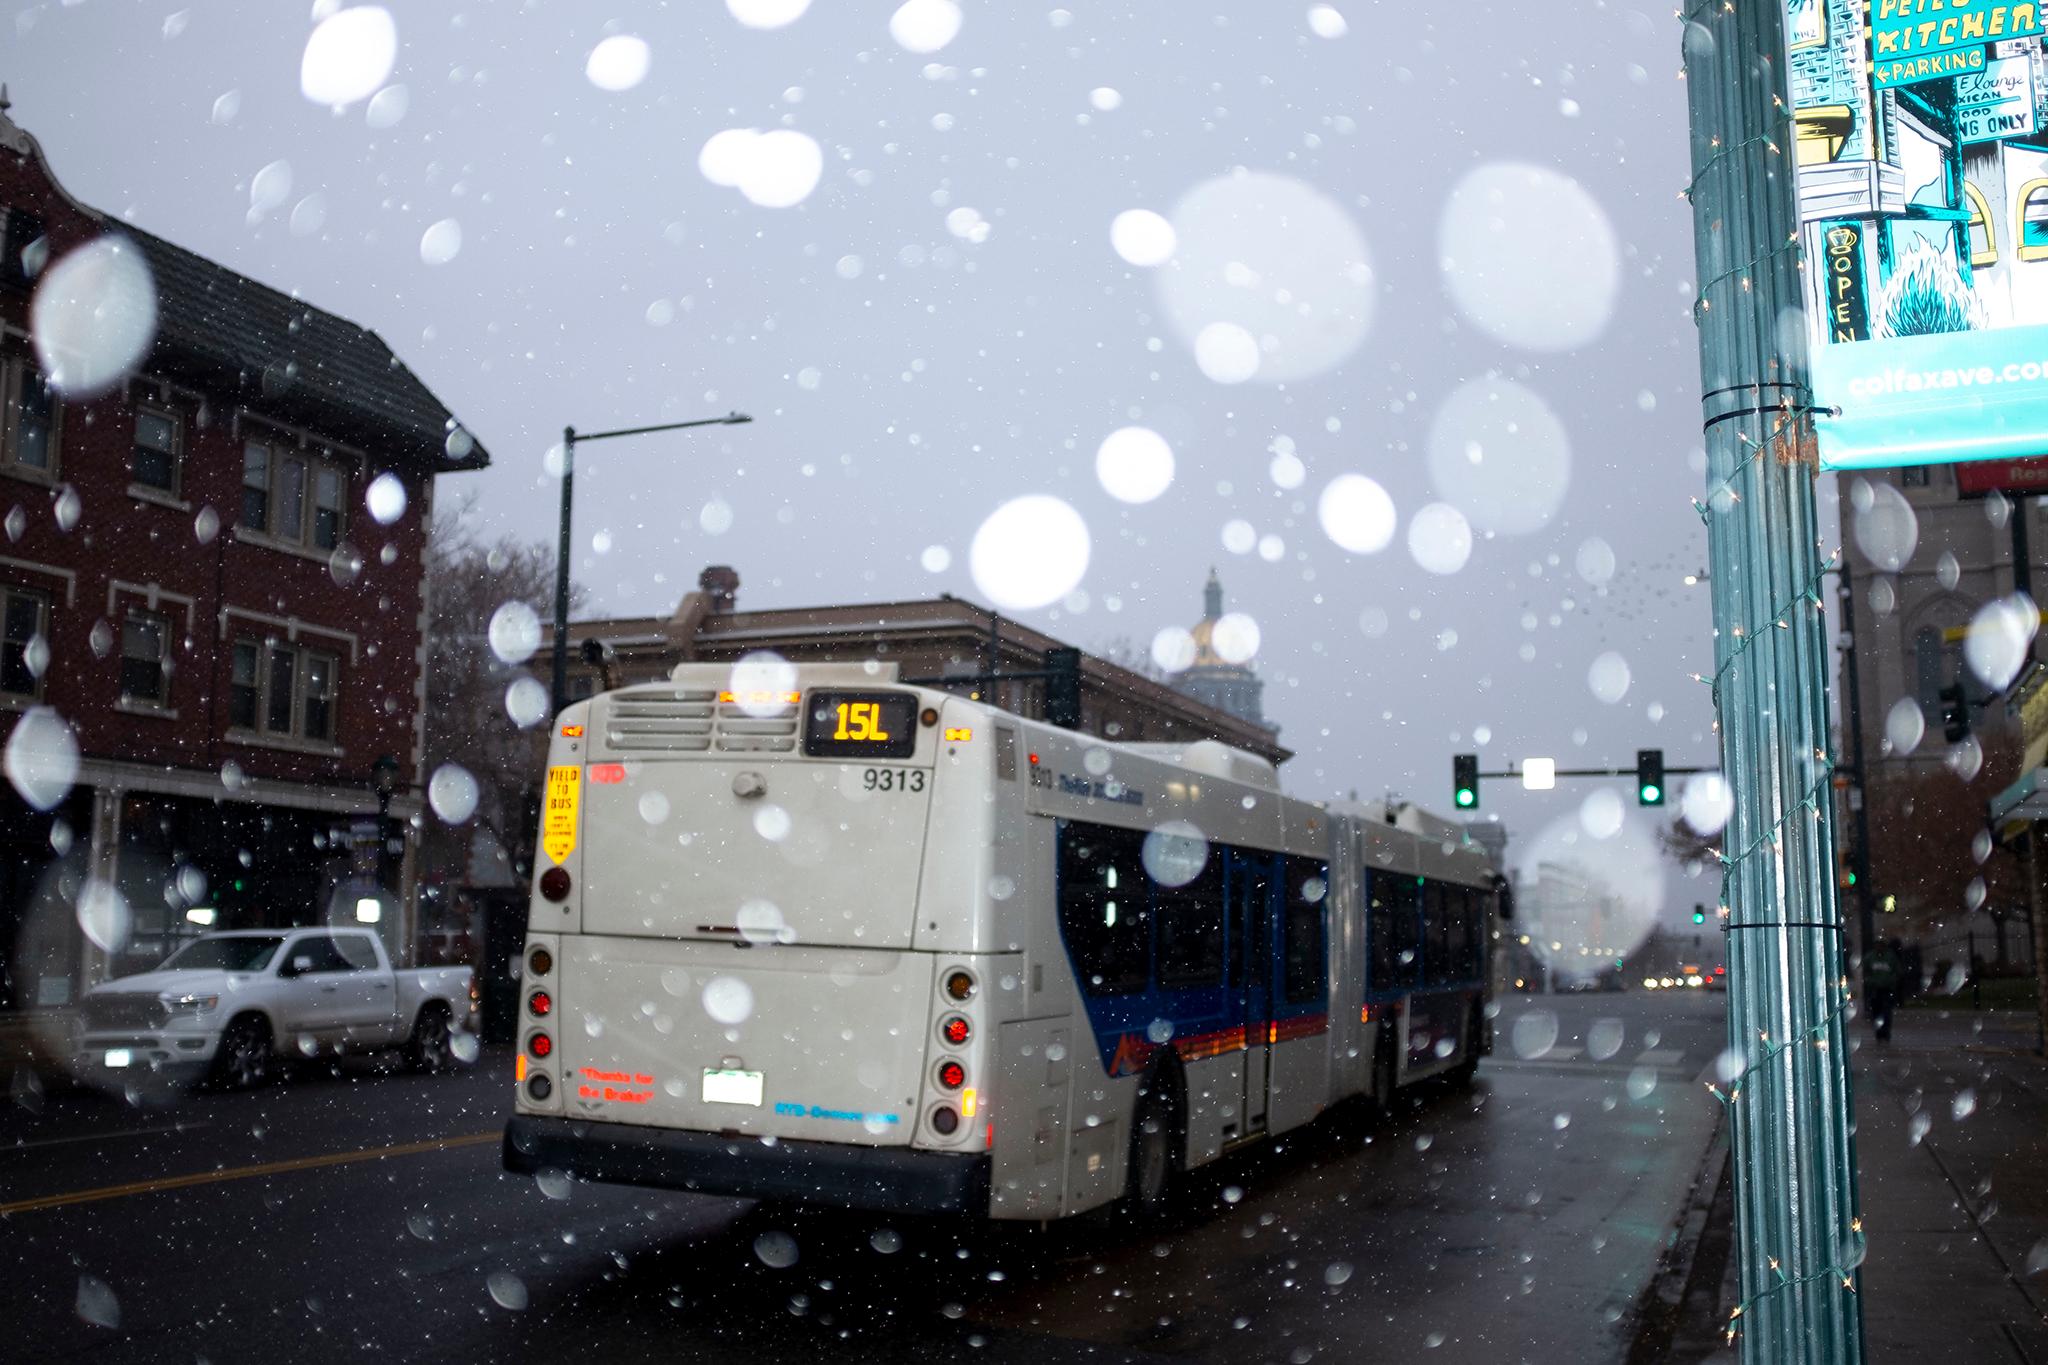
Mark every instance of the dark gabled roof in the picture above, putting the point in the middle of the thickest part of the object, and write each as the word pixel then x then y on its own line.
pixel 281 356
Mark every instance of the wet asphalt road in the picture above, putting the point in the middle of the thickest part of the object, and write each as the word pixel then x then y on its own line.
pixel 356 1214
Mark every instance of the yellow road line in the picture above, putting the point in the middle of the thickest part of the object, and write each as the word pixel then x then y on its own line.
pixel 304 1163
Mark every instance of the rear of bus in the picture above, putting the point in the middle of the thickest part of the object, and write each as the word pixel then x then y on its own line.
pixel 753 962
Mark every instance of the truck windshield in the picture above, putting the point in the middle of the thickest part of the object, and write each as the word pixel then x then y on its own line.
pixel 224 955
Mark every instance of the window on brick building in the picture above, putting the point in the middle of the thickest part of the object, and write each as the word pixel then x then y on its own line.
pixel 293 497
pixel 245 691
pixel 28 424
pixel 159 438
pixel 24 632
pixel 284 690
pixel 146 658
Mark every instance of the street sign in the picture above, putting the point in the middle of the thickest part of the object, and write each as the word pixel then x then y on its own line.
pixel 1539 774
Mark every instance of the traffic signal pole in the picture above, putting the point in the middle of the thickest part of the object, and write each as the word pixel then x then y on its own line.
pixel 1799 1236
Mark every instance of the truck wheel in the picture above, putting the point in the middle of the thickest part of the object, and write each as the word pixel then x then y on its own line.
pixel 1155 1150
pixel 430 1048
pixel 243 1061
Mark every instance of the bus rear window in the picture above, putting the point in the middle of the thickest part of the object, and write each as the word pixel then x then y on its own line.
pixel 860 725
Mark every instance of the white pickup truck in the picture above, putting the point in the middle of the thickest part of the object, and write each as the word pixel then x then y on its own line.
pixel 226 1006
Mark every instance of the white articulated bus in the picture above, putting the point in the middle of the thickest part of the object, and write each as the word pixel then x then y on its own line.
pixel 845 941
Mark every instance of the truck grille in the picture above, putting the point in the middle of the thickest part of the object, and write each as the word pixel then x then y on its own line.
pixel 694 720
pixel 105 1012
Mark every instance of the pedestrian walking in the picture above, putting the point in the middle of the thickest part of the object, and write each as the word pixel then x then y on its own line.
pixel 1881 986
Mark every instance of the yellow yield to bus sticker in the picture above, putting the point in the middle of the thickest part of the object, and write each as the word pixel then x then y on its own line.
pixel 558 820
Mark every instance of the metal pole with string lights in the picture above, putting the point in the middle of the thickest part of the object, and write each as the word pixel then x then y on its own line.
pixel 559 690
pixel 1799 1236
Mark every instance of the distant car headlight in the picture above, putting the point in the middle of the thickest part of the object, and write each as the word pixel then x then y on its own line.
pixel 191 1004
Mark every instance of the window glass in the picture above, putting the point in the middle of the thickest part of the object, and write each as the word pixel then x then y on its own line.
pixel 277 712
pixel 1304 975
pixel 256 487
pixel 23 623
pixel 288 513
pixel 327 507
pixel 142 657
pixel 243 687
pixel 2034 217
pixel 35 420
pixel 156 450
pixel 319 707
pixel 1191 928
pixel 1436 928
pixel 1103 911
pixel 318 953
pixel 1395 930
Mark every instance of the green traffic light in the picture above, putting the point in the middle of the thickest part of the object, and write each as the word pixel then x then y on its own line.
pixel 1464 796
pixel 1699 917
pixel 1651 794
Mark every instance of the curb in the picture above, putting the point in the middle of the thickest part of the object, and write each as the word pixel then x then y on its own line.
pixel 1659 1312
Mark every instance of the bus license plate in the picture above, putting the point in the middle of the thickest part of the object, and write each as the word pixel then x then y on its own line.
pixel 119 1056
pixel 732 1087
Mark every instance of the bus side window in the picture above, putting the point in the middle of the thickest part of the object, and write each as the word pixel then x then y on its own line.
pixel 1303 971
pixel 1458 903
pixel 1379 931
pixel 1191 932
pixel 1105 916
pixel 1396 930
pixel 1436 928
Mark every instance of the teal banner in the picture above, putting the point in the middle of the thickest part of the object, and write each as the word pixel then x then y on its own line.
pixel 1937 399
pixel 1924 40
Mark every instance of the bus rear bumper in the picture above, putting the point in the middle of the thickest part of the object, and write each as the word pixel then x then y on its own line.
pixel 827 1174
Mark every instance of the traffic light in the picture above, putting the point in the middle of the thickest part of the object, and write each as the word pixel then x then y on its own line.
pixel 1699 914
pixel 1846 876
pixel 1465 780
pixel 1955 714
pixel 1063 687
pixel 1649 777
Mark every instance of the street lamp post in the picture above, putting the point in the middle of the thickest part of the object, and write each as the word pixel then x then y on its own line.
pixel 570 436
pixel 384 780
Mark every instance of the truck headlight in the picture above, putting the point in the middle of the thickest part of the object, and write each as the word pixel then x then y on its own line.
pixel 191 1004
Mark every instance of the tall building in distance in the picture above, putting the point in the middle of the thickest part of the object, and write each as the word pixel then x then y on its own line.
pixel 1214 680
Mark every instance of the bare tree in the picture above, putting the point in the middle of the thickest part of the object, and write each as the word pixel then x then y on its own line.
pixel 475 719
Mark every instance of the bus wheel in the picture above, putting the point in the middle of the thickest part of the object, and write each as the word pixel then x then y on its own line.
pixel 1155 1151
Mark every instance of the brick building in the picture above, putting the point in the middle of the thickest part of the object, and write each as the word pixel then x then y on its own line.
pixel 941 637
pixel 211 582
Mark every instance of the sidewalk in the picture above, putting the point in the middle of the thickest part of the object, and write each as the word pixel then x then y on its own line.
pixel 1952 1146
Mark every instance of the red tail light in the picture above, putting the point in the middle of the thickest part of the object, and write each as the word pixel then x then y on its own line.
pixel 540 1002
pixel 955 1030
pixel 945 1122
pixel 540 1045
pixel 952 1075
pixel 554 884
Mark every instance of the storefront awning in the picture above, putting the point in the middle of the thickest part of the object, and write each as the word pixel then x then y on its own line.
pixel 2022 803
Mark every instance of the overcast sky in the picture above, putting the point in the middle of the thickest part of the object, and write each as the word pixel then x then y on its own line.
pixel 942 324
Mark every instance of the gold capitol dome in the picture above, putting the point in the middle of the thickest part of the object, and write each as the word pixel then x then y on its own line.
pixel 1211 678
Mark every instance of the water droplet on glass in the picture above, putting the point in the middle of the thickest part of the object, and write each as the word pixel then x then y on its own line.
pixel 507 1290
pixel 888 1241
pixel 653 807
pixel 206 526
pixel 1160 1031
pixel 1604 1039
pixel 1235 638
pixel 552 1182
pixel 514 632
pixel 1142 237
pixel 776 1249
pixel 1336 1273
pixel 1325 22
pixel 1499 454
pixel 97 1304
pixel 526 702
pixel 1134 464
pixel 618 63
pixel 1174 853
pixel 1030 552
pixel 1917 1128
pixel 1904 726
pixel 760 921
pixel 1947 571
pixel 1885 526
pixel 1602 814
pixel 1981 846
pixel 349 55
pixel 441 242
pixel 1963 1105
pixel 387 107
pixel 1226 353
pixel 1608 677
pixel 452 791
pixel 2000 638
pixel 1439 538
pixel 41 758
pixel 1642 1081
pixel 728 999
pixel 93 316
pixel 1529 256
pixel 1533 1034
pixel 1356 514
